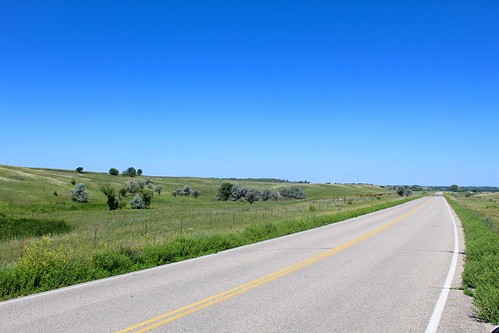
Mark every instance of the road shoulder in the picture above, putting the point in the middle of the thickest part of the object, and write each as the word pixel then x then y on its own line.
pixel 458 314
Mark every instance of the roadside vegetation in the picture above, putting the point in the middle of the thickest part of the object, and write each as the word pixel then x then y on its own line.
pixel 479 214
pixel 60 232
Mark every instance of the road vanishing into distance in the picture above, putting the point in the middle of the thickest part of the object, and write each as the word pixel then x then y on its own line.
pixel 382 272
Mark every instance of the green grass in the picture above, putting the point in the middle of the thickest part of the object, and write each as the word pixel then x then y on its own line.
pixel 481 269
pixel 22 228
pixel 93 242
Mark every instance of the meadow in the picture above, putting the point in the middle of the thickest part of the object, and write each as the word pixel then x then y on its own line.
pixel 48 240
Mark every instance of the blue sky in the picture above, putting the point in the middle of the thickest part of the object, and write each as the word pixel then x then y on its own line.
pixel 383 92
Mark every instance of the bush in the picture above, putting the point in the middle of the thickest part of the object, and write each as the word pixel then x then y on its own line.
pixel 158 189
pixel 224 192
pixel 141 200
pixel 237 192
pixel 185 192
pixel 114 172
pixel 112 202
pixel 404 190
pixel 252 195
pixel 79 193
pixel 293 192
pixel 137 202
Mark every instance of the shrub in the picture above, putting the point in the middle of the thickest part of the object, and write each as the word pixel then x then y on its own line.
pixel 185 192
pixel 137 202
pixel 79 193
pixel 237 192
pixel 114 172
pixel 158 189
pixel 252 195
pixel 141 199
pixel 112 202
pixel 224 192
pixel 293 192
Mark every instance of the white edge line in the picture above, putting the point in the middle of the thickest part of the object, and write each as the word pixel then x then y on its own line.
pixel 439 307
pixel 166 266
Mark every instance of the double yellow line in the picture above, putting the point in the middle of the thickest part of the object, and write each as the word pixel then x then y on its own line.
pixel 218 298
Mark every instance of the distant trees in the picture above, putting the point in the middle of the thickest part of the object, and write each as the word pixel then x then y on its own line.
pixel 79 193
pixel 234 192
pixel 293 192
pixel 454 188
pixel 114 172
pixel 404 190
pixel 185 192
pixel 79 169
pixel 130 172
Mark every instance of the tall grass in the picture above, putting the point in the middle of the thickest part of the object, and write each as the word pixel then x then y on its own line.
pixel 481 269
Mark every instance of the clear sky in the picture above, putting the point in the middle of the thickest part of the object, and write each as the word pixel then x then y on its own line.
pixel 383 92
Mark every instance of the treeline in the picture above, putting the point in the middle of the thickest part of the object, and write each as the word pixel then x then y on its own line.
pixel 453 188
pixel 266 180
pixel 233 192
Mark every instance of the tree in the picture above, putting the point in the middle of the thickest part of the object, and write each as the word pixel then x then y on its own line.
pixel 293 192
pixel 252 195
pixel 139 172
pixel 130 172
pixel 400 191
pixel 114 171
pixel 237 192
pixel 112 202
pixel 79 169
pixel 224 191
pixel 454 188
pixel 79 193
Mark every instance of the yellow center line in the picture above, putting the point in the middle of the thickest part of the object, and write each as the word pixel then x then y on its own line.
pixel 220 297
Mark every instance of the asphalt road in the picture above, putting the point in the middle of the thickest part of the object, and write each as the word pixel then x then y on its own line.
pixel 383 272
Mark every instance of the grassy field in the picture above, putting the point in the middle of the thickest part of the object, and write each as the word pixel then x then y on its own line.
pixel 479 214
pixel 31 194
pixel 44 232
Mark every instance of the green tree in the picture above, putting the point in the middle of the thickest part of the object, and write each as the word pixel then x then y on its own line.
pixel 130 172
pixel 224 191
pixel 79 169
pixel 114 171
pixel 454 188
pixel 112 202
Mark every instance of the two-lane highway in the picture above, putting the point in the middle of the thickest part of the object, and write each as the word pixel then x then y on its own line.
pixel 382 272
